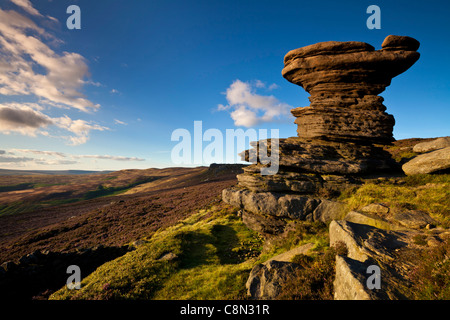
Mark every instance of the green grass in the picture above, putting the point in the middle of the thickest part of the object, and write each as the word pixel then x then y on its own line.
pixel 215 253
pixel 429 193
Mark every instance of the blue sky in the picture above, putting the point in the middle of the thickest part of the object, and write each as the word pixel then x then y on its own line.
pixel 109 96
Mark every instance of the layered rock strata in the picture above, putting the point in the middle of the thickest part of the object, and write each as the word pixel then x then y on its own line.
pixel 344 80
pixel 339 134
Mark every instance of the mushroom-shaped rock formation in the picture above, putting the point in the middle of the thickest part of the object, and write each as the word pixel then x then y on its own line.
pixel 344 80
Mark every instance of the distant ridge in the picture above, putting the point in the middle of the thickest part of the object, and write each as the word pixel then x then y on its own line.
pixel 10 172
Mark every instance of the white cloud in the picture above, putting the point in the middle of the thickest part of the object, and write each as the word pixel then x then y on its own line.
pixel 249 108
pixel 273 86
pixel 245 117
pixel 80 128
pixel 27 6
pixel 259 84
pixel 116 121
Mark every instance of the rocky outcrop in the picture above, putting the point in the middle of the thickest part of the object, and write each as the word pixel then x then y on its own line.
pixel 268 212
pixel 336 135
pixel 434 161
pixel 381 241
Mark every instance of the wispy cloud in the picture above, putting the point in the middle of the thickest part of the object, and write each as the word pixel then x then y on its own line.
pixel 247 108
pixel 108 157
pixel 24 157
pixel 28 7
pixel 41 152
pixel 13 159
pixel 116 121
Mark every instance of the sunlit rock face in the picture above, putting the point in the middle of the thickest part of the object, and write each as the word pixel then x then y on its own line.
pixel 344 80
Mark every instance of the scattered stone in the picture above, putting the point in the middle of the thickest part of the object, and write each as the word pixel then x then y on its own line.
pixel 271 203
pixel 414 219
pixel 266 281
pixel 436 144
pixel 433 161
pixel 170 256
pixel 343 231
pixel 378 208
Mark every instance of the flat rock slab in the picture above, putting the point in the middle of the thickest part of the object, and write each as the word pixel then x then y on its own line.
pixel 436 144
pixel 288 255
pixel 431 162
